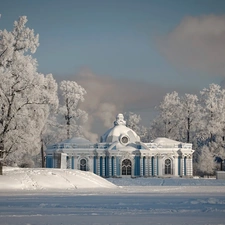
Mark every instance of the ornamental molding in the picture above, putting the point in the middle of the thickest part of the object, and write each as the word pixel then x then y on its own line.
pixel 126 155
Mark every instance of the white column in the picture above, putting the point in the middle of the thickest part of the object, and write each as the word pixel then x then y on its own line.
pixel 95 164
pixel 103 166
pixel 98 167
pixel 141 166
pixel 115 174
pixel 182 163
pixel 150 166
pixel 146 166
pixel 175 166
pixel 158 165
pixel 189 170
pixel 132 168
pixel 191 166
pixel 155 166
pixel 90 163
pixel 70 162
pixel 54 161
pixel 76 162
pixel 110 166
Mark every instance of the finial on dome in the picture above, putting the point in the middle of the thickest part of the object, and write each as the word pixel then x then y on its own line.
pixel 120 120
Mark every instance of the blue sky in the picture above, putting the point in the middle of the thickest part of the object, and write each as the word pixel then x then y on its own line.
pixel 159 45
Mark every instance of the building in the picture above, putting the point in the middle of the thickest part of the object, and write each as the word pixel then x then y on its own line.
pixel 121 153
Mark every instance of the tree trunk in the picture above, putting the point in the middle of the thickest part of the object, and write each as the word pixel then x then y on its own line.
pixel 1 156
pixel 68 130
pixel 1 172
pixel 188 130
pixel 42 155
pixel 68 117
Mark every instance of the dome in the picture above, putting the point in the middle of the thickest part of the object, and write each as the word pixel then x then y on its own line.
pixel 120 133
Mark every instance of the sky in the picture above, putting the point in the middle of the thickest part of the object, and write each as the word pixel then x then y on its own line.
pixel 127 54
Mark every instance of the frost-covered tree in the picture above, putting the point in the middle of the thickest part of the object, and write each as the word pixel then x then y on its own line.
pixel 212 122
pixel 189 117
pixel 71 115
pixel 206 161
pixel 213 106
pixel 200 122
pixel 167 122
pixel 134 122
pixel 26 96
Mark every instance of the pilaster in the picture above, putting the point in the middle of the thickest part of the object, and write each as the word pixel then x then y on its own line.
pixel 103 166
pixel 182 165
pixel 155 165
pixel 115 167
pixel 146 166
pixel 110 166
pixel 189 166
pixel 141 166
pixel 98 165
pixel 150 166
pixel 175 166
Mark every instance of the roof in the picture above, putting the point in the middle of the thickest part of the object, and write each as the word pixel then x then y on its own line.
pixel 162 140
pixel 76 140
pixel 119 130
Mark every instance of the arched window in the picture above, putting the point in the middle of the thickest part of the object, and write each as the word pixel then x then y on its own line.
pixel 168 166
pixel 126 167
pixel 83 164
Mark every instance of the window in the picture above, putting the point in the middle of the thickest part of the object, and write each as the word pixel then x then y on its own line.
pixel 83 164
pixel 124 139
pixel 126 167
pixel 168 166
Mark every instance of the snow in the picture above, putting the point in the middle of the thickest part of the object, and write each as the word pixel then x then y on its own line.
pixel 56 196
pixel 162 140
pixel 50 179
pixel 167 182
pixel 76 140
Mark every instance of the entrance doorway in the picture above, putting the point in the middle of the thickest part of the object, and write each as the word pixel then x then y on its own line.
pixel 83 165
pixel 168 169
pixel 126 167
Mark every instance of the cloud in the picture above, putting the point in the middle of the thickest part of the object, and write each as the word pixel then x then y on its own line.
pixel 197 43
pixel 107 96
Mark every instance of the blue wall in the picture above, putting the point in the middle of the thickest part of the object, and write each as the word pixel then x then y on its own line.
pixel 49 161
pixel 72 162
pixel 185 163
pixel 153 163
pixel 101 174
pixel 106 166
pixel 113 166
pixel 179 163
pixel 117 166
pixel 94 165
pixel 144 163
pixel 137 166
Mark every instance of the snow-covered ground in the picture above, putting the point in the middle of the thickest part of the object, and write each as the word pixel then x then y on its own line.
pixel 54 196
pixel 49 180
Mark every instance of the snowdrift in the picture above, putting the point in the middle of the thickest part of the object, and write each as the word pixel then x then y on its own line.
pixel 50 179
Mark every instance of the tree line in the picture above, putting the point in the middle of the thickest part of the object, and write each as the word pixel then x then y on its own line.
pixel 192 119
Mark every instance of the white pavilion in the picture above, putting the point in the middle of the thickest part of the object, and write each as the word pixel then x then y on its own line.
pixel 120 153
